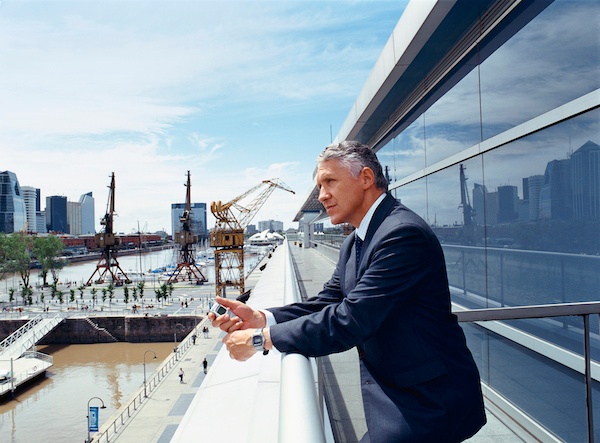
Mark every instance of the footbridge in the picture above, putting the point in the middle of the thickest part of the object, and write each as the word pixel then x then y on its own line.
pixel 18 363
pixel 24 338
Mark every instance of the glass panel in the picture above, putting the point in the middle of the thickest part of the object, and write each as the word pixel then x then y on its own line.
pixel 542 225
pixel 551 61
pixel 414 196
pixel 452 123
pixel 405 154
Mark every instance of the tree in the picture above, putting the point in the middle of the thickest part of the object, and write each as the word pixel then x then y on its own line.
pixel 15 251
pixel 48 251
pixel 126 295
pixel 93 291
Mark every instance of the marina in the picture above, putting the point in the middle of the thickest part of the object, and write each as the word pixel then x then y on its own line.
pixel 78 370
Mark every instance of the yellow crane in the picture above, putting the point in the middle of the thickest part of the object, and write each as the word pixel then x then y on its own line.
pixel 227 238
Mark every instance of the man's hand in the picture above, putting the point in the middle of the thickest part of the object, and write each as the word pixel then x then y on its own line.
pixel 245 317
pixel 239 343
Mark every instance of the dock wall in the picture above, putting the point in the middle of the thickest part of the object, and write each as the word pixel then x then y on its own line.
pixel 96 329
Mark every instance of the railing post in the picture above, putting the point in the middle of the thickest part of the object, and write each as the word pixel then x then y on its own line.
pixel 588 377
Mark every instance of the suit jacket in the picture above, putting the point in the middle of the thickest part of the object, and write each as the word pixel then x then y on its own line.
pixel 418 378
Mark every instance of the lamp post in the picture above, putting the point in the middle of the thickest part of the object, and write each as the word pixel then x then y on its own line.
pixel 88 415
pixel 145 369
pixel 175 338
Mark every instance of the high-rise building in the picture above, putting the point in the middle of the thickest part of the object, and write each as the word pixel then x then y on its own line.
pixel 13 216
pixel 56 214
pixel 556 197
pixel 585 173
pixel 271 225
pixel 508 202
pixel 31 197
pixel 535 183
pixel 198 219
pixel 74 218
pixel 88 215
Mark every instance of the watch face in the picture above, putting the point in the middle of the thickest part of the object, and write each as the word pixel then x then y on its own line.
pixel 257 340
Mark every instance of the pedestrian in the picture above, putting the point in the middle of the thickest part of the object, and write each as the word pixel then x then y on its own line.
pixel 205 365
pixel 389 298
pixel 194 338
pixel 205 331
pixel 181 373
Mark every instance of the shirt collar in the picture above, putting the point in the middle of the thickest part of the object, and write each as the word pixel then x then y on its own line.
pixel 361 231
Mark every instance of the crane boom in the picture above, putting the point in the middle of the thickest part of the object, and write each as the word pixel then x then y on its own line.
pixel 228 235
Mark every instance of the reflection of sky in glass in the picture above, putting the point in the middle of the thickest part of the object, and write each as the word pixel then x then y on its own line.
pixel 405 154
pixel 551 61
pixel 452 123
pixel 414 196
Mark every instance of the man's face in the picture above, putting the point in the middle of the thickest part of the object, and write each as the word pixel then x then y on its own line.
pixel 340 193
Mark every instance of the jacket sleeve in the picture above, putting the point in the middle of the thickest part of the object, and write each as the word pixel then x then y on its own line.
pixel 398 264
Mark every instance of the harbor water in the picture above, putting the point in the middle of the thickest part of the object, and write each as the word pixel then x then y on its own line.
pixel 54 408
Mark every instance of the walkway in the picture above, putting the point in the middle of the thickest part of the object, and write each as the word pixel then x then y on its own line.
pixel 341 373
pixel 158 417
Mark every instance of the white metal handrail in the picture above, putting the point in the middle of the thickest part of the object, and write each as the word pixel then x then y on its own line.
pixel 300 416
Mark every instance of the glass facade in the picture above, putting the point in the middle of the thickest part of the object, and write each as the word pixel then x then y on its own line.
pixel 12 204
pixel 512 189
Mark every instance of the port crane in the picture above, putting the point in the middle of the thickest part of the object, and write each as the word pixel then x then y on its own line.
pixel 227 237
pixel 465 204
pixel 109 243
pixel 187 269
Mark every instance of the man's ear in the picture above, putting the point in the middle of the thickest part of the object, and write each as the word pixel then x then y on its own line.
pixel 367 177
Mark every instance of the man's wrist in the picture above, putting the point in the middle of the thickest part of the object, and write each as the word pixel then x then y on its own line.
pixel 267 335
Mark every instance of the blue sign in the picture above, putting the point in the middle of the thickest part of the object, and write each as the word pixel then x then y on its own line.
pixel 93 419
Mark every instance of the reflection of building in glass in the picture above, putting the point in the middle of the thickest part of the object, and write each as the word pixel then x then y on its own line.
pixel 12 204
pixel 555 196
pixel 534 186
pixel 508 200
pixel 569 189
pixel 585 167
pixel 197 218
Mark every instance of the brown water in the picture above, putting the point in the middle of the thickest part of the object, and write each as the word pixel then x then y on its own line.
pixel 54 409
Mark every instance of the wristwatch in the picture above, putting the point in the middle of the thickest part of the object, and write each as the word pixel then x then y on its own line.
pixel 258 341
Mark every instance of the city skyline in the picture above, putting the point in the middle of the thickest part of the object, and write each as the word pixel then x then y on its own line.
pixel 234 92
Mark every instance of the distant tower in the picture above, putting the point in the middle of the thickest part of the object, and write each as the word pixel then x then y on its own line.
pixel 56 214
pixel 32 204
pixel 88 214
pixel 12 210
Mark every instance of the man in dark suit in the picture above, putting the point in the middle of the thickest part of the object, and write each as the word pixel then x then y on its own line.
pixel 389 298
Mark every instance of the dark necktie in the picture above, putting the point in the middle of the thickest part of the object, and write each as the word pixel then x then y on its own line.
pixel 357 247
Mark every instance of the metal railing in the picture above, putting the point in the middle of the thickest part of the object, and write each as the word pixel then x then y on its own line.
pixel 20 336
pixel 300 414
pixel 541 311
pixel 584 310
pixel 111 429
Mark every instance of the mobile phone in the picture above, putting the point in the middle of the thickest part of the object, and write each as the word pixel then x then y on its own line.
pixel 220 310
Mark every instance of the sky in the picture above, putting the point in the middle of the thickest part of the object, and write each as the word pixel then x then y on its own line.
pixel 235 92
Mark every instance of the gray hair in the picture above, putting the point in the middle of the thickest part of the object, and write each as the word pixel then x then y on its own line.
pixel 355 156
